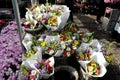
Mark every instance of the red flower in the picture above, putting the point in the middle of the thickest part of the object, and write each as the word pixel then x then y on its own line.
pixel 2 22
pixel 64 53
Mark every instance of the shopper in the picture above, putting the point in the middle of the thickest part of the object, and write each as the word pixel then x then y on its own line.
pixel 101 10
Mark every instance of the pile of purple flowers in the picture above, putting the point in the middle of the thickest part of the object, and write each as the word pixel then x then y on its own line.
pixel 10 52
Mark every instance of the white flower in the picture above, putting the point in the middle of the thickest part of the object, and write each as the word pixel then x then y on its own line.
pixel 33 72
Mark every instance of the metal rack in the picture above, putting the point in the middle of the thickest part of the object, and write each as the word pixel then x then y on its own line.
pixel 110 19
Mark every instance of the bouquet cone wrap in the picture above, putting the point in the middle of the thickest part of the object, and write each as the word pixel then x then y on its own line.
pixel 27 45
pixel 101 58
pixel 27 41
pixel 102 67
pixel 30 63
pixel 64 17
pixel 28 37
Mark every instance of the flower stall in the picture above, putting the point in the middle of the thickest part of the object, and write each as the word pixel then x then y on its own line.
pixel 49 41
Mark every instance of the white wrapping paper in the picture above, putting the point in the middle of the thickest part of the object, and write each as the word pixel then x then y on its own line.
pixel 102 67
pixel 95 44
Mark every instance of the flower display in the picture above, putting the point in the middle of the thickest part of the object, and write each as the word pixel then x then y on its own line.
pixel 48 15
pixel 10 52
pixel 60 39
pixel 37 69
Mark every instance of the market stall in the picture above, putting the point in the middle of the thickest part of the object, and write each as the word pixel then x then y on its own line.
pixel 47 44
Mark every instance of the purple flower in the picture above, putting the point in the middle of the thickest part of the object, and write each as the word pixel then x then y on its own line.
pixel 1 66
pixel 43 70
pixel 10 48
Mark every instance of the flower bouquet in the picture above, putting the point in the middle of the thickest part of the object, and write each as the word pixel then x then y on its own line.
pixel 51 45
pixel 65 13
pixel 84 56
pixel 31 25
pixel 53 17
pixel 28 74
pixel 107 52
pixel 46 67
pixel 95 68
pixel 68 50
pixel 28 64
pixel 53 22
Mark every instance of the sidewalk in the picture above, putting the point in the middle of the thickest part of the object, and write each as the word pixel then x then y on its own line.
pixel 87 24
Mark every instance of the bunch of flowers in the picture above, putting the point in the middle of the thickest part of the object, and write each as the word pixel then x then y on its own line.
pixel 93 68
pixel 65 36
pixel 53 22
pixel 49 15
pixel 28 74
pixel 10 52
pixel 44 67
pixel 68 50
pixel 36 68
pixel 52 47
pixel 84 56
pixel 107 52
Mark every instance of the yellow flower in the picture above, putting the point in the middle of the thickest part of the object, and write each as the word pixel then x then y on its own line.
pixel 25 72
pixel 93 64
pixel 52 21
pixel 76 42
pixel 29 54
pixel 43 43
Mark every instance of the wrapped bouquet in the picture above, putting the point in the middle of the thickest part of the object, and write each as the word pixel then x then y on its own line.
pixel 95 68
pixel 53 17
pixel 46 67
